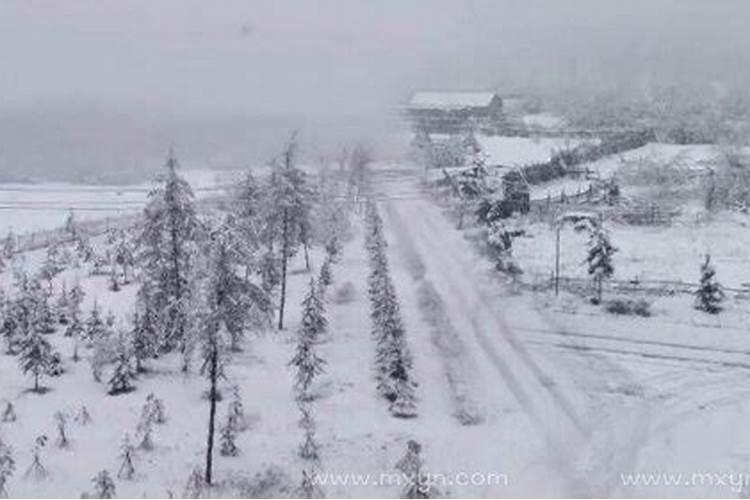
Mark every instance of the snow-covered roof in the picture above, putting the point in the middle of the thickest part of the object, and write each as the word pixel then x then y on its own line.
pixel 451 100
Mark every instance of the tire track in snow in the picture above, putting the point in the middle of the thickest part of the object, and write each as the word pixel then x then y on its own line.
pixel 598 461
pixel 560 427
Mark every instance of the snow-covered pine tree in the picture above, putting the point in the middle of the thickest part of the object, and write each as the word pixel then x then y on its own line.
pixel 104 351
pixel 599 258
pixel 75 298
pixel 325 278
pixel 95 327
pixel 309 365
pixel 52 265
pixel 411 467
pixel 166 246
pixel 709 295
pixel 144 331
pixel 61 423
pixel 127 469
pixel 36 470
pixel 104 486
pixel 114 279
pixel 246 208
pixel 224 293
pixel 309 488
pixel 196 484
pixel 9 326
pixel 35 356
pixel 110 319
pixel 236 411
pixel 9 246
pixel 228 437
pixel 404 399
pixel 124 258
pixel 309 449
pixel 7 467
pixel 71 225
pixel 123 375
pixel 62 305
pixel 153 410
pixel 83 417
pixel 43 315
pixel 286 211
pixel 144 431
pixel 9 413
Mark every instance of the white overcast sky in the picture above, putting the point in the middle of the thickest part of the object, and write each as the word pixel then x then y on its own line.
pixel 317 56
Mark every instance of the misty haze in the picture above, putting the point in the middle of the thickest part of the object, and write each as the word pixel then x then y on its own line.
pixel 377 248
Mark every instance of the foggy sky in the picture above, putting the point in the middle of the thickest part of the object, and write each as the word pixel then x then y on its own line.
pixel 353 56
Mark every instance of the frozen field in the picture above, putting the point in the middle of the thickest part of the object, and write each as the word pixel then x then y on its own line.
pixel 34 207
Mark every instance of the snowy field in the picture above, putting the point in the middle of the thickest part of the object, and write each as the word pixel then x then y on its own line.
pixel 34 207
pixel 527 393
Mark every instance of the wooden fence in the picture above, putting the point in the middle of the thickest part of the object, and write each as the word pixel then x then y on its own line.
pixel 659 288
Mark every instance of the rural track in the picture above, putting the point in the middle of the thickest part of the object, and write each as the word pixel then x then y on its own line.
pixel 539 396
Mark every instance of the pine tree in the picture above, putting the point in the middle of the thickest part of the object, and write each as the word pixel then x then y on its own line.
pixel 166 245
pixel 145 329
pixel 196 484
pixel 325 278
pixel 104 486
pixel 229 304
pixel 61 422
pixel 411 467
pixel 9 245
pixel 246 207
pixel 52 265
pixel 287 214
pixel 110 319
pixel 228 435
pixel 309 365
pixel 309 449
pixel 7 467
pixel 95 327
pixel 36 470
pixel 9 413
pixel 599 258
pixel 144 431
pixel 35 357
pixel 83 417
pixel 127 469
pixel 124 374
pixel 63 306
pixel 236 411
pixel 114 279
pixel 308 488
pixel 71 225
pixel 104 352
pixel 709 295
pixel 404 399
pixel 153 410
pixel 43 316
pixel 9 325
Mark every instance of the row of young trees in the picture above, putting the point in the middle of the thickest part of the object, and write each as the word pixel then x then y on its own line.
pixel 203 283
pixel 393 360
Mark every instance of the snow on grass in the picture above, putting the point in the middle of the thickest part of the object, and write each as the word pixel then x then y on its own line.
pixel 672 252
pixel 520 151
pixel 34 207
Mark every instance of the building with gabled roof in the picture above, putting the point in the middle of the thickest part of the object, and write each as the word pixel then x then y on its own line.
pixel 454 112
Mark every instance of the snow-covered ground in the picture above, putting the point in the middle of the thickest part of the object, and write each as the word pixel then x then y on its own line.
pixel 40 206
pixel 549 393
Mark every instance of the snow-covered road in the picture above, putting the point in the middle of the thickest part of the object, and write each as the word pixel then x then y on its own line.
pixel 484 350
